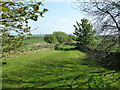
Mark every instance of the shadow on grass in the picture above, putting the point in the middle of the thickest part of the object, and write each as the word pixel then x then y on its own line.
pixel 74 81
pixel 110 61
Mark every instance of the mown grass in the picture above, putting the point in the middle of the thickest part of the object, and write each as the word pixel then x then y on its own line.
pixel 56 69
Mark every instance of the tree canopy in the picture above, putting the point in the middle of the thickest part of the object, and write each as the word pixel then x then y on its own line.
pixel 61 36
pixel 49 38
pixel 84 32
pixel 14 19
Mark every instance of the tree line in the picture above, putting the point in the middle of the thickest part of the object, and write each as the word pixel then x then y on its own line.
pixel 59 37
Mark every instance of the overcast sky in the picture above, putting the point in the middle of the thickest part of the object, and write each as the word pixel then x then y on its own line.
pixel 61 17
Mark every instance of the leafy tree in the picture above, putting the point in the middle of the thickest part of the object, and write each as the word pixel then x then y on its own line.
pixel 105 15
pixel 61 36
pixel 49 38
pixel 14 19
pixel 84 32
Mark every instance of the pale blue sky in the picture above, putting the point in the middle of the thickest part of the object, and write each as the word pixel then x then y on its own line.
pixel 61 17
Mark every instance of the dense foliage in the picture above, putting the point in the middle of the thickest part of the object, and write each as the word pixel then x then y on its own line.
pixel 49 38
pixel 59 37
pixel 14 22
pixel 71 38
pixel 84 32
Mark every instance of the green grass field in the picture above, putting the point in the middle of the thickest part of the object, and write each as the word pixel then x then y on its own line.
pixel 34 40
pixel 56 69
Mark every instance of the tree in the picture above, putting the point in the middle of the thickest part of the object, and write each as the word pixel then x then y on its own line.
pixel 106 15
pixel 84 32
pixel 61 36
pixel 49 38
pixel 14 19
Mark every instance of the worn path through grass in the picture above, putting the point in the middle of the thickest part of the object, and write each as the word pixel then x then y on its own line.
pixel 54 68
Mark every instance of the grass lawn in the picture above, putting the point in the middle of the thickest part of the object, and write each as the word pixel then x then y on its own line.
pixel 55 69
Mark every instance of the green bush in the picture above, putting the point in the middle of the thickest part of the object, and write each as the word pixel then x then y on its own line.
pixel 61 36
pixel 49 38
pixel 71 38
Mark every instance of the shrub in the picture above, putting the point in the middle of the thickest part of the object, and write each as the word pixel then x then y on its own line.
pixel 49 38
pixel 61 36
